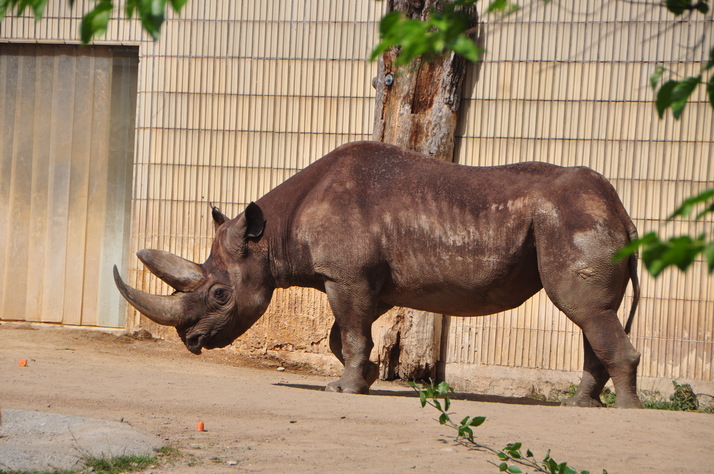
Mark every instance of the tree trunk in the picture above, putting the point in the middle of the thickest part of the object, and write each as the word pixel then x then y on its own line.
pixel 416 108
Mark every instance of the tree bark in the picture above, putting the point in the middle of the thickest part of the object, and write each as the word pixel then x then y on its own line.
pixel 416 108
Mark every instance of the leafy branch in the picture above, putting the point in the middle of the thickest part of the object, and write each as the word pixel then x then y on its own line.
pixel 679 251
pixel 510 456
pixel 444 30
pixel 674 94
pixel 151 13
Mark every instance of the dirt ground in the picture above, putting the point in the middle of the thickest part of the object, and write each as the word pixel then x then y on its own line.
pixel 262 419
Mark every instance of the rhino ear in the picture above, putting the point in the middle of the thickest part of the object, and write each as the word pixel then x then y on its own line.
pixel 249 225
pixel 255 223
pixel 218 217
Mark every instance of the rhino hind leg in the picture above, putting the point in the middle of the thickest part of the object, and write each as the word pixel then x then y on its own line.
pixel 610 345
pixel 591 299
pixel 595 376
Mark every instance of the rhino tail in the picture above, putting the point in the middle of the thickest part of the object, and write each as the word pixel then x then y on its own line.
pixel 632 263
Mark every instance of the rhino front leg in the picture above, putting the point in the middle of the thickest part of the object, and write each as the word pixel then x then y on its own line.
pixel 372 371
pixel 351 337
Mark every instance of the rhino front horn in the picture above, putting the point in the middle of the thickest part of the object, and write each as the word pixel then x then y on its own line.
pixel 164 310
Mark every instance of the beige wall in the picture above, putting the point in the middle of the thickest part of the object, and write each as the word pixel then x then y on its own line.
pixel 237 96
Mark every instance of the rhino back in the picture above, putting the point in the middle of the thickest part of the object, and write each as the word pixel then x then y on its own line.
pixel 435 235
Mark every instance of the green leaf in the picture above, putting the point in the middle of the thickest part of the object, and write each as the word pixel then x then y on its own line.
pixel 388 22
pixel 477 421
pixel 467 48
pixel 655 77
pixel 447 403
pixel 422 398
pixel 565 469
pixel 663 100
pixel 437 404
pixel 681 93
pixel 707 210
pixel 4 5
pixel 551 465
pixel 632 247
pixel 503 467
pixel 38 8
pixel 687 206
pixel 444 31
pixel 151 13
pixel 709 256
pixel 710 90
pixel 514 469
pixel 129 8
pixel 678 6
pixel 443 419
pixel 443 388
pixel 177 5
pixel 677 251
pixel 502 6
pixel 675 94
pixel 95 22
pixel 466 432
pixel 710 63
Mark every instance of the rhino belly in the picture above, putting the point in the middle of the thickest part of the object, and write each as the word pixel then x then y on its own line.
pixel 465 290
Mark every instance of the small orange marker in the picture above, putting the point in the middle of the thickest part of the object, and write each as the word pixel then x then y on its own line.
pixel 22 363
pixel 200 426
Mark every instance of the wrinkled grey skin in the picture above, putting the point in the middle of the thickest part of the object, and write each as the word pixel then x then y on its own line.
pixel 375 226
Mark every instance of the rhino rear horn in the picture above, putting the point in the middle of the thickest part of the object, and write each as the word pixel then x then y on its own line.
pixel 183 275
pixel 164 310
pixel 218 217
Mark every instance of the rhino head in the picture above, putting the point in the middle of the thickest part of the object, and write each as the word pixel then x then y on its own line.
pixel 217 301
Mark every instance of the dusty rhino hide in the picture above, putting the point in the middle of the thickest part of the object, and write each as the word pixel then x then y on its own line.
pixel 375 226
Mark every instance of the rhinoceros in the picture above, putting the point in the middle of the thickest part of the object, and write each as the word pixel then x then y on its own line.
pixel 375 226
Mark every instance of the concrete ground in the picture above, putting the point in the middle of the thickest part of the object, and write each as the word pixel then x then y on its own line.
pixel 35 441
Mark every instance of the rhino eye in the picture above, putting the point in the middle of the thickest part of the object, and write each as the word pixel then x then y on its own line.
pixel 220 295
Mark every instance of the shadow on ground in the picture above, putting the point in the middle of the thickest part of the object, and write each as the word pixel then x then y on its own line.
pixel 474 397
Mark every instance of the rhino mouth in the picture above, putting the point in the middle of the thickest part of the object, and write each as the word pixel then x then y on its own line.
pixel 195 343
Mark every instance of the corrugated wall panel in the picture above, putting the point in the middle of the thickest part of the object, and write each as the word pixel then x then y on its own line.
pixel 68 133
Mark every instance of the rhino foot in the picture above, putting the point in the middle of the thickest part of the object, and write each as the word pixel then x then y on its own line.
pixel 628 402
pixel 583 401
pixel 348 386
pixel 372 373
